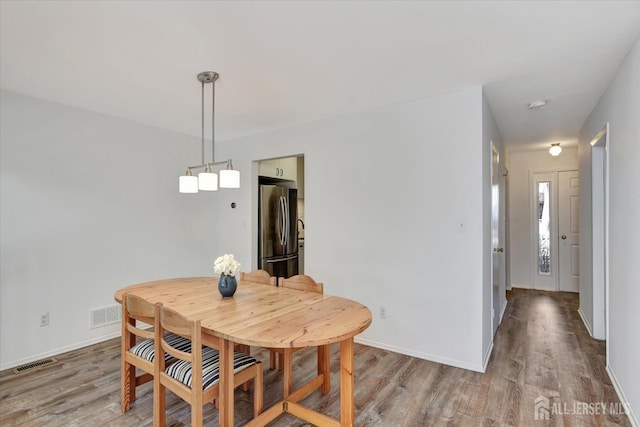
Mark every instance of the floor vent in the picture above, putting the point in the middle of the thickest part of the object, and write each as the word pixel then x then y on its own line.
pixel 34 365
pixel 105 316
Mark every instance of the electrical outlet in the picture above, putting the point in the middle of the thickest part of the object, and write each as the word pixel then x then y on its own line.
pixel 383 312
pixel 44 319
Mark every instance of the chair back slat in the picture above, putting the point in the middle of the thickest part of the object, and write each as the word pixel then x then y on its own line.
pixel 174 322
pixel 171 321
pixel 142 333
pixel 140 309
pixel 302 282
pixel 258 276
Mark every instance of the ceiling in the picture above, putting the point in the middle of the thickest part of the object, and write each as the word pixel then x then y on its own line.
pixel 285 63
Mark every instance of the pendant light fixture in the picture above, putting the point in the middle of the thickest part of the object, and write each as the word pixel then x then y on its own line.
pixel 208 180
pixel 555 149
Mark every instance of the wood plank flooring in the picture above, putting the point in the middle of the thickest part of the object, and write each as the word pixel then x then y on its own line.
pixel 541 349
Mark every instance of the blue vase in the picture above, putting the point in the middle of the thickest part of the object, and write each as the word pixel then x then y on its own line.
pixel 227 285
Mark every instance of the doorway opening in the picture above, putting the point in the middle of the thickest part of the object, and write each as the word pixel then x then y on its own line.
pixel 600 232
pixel 498 293
pixel 280 216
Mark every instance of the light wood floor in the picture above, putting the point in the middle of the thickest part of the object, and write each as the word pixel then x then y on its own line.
pixel 541 348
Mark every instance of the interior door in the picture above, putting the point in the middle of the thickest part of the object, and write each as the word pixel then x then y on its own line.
pixel 496 258
pixel 568 231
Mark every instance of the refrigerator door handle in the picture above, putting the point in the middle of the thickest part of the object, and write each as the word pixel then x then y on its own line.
pixel 285 216
pixel 286 221
pixel 273 261
pixel 280 220
pixel 283 219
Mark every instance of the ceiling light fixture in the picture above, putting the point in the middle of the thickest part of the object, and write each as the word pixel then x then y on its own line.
pixel 208 180
pixel 555 149
pixel 537 105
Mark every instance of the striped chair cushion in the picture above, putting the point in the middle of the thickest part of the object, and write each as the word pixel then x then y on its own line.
pixel 181 370
pixel 146 350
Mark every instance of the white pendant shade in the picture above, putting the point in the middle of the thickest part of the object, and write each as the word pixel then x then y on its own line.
pixel 207 181
pixel 188 184
pixel 229 178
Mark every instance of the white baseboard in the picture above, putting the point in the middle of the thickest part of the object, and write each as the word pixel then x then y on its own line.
pixel 57 351
pixel 419 355
pixel 616 386
pixel 487 356
pixel 584 321
pixel 502 310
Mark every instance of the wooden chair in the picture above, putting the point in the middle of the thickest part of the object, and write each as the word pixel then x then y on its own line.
pixel 301 282
pixel 258 276
pixel 262 277
pixel 305 283
pixel 137 349
pixel 194 377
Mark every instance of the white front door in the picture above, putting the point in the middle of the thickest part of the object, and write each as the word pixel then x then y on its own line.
pixel 568 231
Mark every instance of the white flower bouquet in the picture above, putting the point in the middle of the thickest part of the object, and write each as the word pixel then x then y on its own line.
pixel 227 265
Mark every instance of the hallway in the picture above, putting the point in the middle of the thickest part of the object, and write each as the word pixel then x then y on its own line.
pixel 543 349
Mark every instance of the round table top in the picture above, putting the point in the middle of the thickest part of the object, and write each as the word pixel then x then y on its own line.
pixel 258 314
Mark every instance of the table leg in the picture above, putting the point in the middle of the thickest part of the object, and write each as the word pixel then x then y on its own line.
pixel 246 349
pixel 287 368
pixel 324 367
pixel 346 383
pixel 226 384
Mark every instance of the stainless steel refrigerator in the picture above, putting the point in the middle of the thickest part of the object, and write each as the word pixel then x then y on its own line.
pixel 277 230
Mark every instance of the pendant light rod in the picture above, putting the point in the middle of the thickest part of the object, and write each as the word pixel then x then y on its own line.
pixel 202 122
pixel 209 77
pixel 213 122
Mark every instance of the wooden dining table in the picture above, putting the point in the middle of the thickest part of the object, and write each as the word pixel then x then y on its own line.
pixel 272 317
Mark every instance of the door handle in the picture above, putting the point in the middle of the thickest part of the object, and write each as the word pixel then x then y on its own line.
pixel 498 249
pixel 564 237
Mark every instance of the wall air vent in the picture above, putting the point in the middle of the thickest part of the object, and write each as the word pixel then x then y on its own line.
pixel 105 316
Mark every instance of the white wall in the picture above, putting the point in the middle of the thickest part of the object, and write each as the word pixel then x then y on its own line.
pixel 384 191
pixel 89 204
pixel 521 164
pixel 491 133
pixel 620 106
